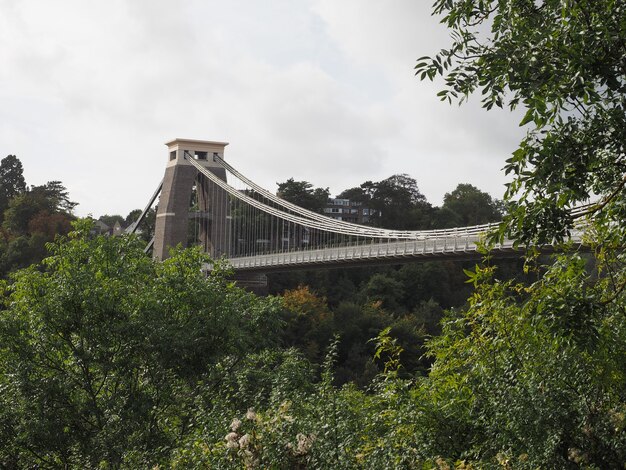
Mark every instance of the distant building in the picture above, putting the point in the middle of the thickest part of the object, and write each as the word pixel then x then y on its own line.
pixel 100 228
pixel 117 229
pixel 349 211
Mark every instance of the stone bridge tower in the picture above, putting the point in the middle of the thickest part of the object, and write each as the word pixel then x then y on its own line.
pixel 172 218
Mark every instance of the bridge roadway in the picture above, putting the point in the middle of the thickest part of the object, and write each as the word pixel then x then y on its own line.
pixel 458 248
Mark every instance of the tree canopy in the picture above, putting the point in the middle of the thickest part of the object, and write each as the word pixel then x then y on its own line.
pixel 48 199
pixel 467 205
pixel 108 353
pixel 304 195
pixel 563 61
pixel 397 202
pixel 12 181
pixel 537 367
pixel 56 197
pixel 30 217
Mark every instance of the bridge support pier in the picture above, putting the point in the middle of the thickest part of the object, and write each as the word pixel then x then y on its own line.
pixel 172 219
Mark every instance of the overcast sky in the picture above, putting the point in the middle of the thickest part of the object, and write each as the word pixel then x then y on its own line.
pixel 317 90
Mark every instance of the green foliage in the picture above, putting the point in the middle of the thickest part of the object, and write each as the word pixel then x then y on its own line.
pixel 56 197
pixel 440 281
pixel 30 217
pixel 46 200
pixel 302 194
pixel 105 350
pixel 359 194
pixel 387 347
pixel 563 62
pixel 310 325
pixel 142 363
pixel 386 290
pixel 538 369
pixel 467 205
pixel 12 181
pixel 520 380
pixel 397 202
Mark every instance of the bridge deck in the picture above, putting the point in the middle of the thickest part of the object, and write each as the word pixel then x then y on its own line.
pixel 372 253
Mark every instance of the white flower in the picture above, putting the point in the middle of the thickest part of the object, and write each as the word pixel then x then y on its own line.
pixel 232 445
pixel 304 443
pixel 231 440
pixel 235 424
pixel 244 441
pixel 251 415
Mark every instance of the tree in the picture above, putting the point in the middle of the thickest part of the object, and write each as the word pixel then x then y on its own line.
pixel 385 289
pixel 131 217
pixel 50 225
pixel 103 352
pixel 432 280
pixel 32 219
pixel 564 63
pixel 307 322
pixel 467 205
pixel 533 372
pixel 56 197
pixel 12 181
pixel 43 201
pixel 397 202
pixel 359 194
pixel 538 382
pixel 21 211
pixel 302 194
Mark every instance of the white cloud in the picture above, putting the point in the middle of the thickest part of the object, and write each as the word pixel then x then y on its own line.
pixel 315 90
pixel 440 145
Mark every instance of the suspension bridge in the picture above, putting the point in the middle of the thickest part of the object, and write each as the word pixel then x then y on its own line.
pixel 258 232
